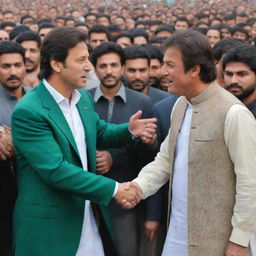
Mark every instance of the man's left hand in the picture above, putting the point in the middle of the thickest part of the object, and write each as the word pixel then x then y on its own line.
pixel 144 128
pixel 235 250
pixel 104 161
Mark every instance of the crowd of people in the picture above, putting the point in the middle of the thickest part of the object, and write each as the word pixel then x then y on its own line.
pixel 87 90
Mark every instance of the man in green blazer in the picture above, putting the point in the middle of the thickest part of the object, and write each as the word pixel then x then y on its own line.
pixel 55 133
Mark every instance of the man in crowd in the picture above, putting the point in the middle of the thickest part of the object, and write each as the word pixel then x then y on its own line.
pixel 12 72
pixel 90 19
pixel 181 23
pixel 116 103
pixel 219 51
pixel 4 36
pixel 98 34
pixel 31 42
pixel 136 73
pixel 61 201
pixel 239 66
pixel 212 176
pixel 156 61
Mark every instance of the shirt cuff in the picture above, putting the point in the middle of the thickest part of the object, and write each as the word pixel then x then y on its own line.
pixel 240 237
pixel 134 137
pixel 116 188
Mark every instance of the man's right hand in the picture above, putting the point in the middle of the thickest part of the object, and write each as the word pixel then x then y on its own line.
pixel 236 250
pixel 128 195
pixel 6 147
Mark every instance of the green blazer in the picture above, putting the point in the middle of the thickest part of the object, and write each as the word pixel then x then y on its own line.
pixel 52 186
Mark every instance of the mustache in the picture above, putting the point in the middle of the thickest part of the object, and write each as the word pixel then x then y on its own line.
pixel 231 86
pixel 109 76
pixel 28 60
pixel 13 77
pixel 137 81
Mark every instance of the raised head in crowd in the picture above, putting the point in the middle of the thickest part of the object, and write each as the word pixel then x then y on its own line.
pixel 239 67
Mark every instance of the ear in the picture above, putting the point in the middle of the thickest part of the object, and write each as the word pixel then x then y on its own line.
pixel 195 71
pixel 56 66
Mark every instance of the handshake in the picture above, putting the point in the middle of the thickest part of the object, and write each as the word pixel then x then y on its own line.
pixel 128 194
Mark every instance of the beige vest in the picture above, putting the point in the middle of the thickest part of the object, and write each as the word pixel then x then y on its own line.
pixel 211 177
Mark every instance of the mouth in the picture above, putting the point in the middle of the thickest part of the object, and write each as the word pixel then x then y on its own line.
pixel 109 78
pixel 167 82
pixel 13 80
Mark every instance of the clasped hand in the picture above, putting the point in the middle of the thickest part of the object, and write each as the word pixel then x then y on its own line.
pixel 128 195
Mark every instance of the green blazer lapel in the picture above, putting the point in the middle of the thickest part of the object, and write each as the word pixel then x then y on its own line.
pixel 56 114
pixel 85 116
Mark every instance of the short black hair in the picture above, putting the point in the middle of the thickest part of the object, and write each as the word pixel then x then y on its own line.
pixel 214 28
pixel 155 22
pixel 141 22
pixel 123 34
pixel 201 23
pixel 195 50
pixel 154 51
pixel 98 29
pixel 242 14
pixel 45 25
pixel 104 48
pixel 245 53
pixel 222 26
pixel 60 18
pixel 7 47
pixel 165 27
pixel 157 40
pixel 8 24
pixel 29 36
pixel 183 19
pixel 26 17
pixel 136 32
pixel 7 11
pixel 114 28
pixel 102 15
pixel 56 46
pixel 201 30
pixel 120 17
pixel 90 14
pixel 229 17
pixel 45 20
pixel 223 46
pixel 80 23
pixel 69 18
pixel 136 52
pixel 201 15
pixel 239 29
pixel 17 30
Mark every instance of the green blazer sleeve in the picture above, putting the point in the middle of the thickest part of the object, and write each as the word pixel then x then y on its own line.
pixel 35 142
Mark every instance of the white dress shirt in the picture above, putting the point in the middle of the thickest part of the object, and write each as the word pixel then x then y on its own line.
pixel 176 242
pixel 90 242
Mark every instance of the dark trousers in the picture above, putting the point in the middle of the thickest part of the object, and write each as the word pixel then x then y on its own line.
pixel 8 193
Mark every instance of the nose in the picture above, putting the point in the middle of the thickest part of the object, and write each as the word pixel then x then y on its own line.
pixel 109 70
pixel 88 66
pixel 27 54
pixel 234 79
pixel 137 75
pixel 13 70
pixel 164 70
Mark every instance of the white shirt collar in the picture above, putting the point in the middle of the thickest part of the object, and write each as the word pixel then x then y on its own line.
pixel 59 97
